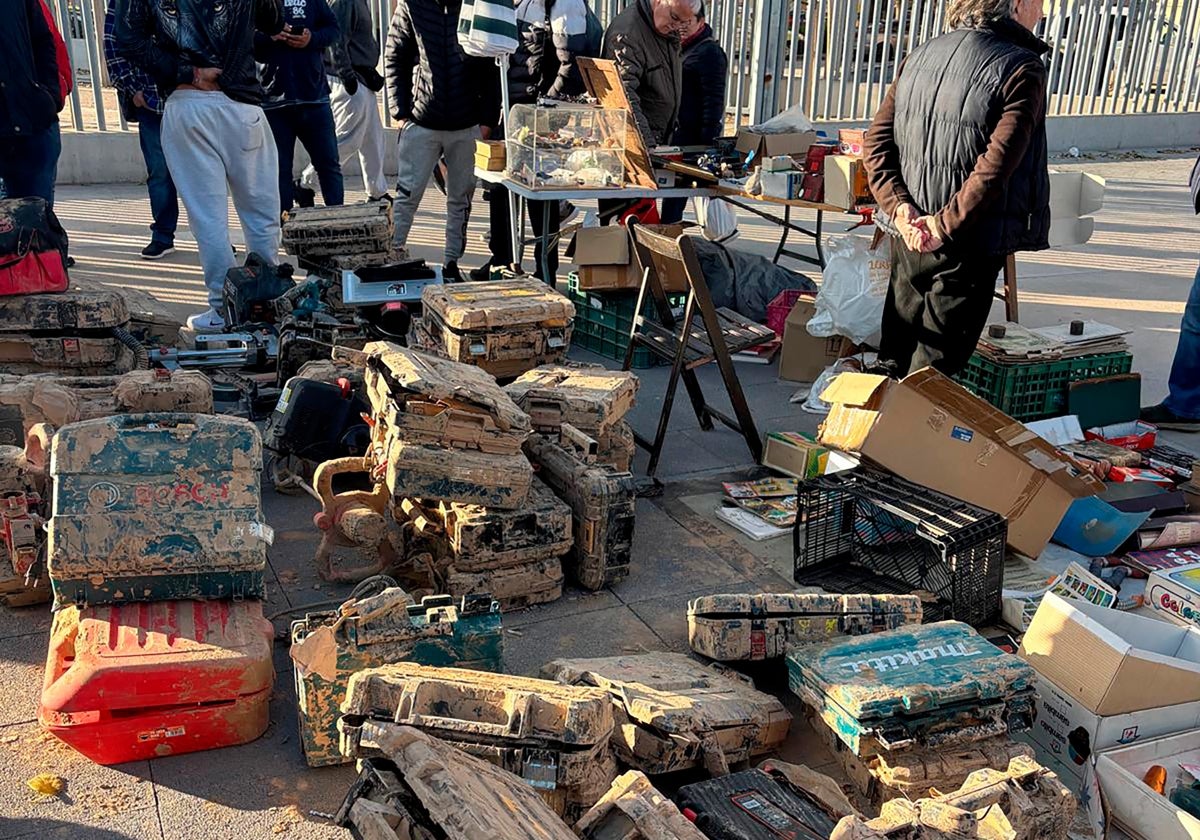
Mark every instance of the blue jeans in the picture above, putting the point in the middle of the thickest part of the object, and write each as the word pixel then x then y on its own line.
pixel 28 164
pixel 164 202
pixel 313 126
pixel 1184 383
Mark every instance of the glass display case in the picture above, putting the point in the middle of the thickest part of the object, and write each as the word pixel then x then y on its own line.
pixel 566 146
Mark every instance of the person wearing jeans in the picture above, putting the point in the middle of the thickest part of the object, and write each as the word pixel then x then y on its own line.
pixel 30 99
pixel 140 103
pixel 441 98
pixel 215 136
pixel 1181 409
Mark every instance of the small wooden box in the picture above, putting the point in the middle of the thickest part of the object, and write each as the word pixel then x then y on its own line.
pixel 490 155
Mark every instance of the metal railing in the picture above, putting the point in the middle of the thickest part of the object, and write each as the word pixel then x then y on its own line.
pixel 836 58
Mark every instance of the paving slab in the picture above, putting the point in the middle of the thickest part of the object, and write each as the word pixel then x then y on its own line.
pixel 608 632
pixel 22 666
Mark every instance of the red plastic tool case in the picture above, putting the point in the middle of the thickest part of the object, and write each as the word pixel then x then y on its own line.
pixel 136 681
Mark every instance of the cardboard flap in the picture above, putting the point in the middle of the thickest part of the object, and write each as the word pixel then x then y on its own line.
pixel 855 389
pixel 602 246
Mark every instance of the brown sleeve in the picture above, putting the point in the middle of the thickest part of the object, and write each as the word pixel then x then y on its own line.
pixel 1023 103
pixel 881 155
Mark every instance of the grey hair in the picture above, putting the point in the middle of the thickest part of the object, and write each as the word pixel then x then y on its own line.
pixel 973 13
pixel 696 7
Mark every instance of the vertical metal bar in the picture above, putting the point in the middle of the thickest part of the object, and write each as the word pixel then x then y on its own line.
pixel 888 63
pixel 1054 37
pixel 1079 75
pixel 865 7
pixel 744 32
pixel 827 38
pixel 1125 28
pixel 766 58
pixel 729 42
pixel 64 27
pixel 90 43
pixel 1099 59
pixel 1134 34
pixel 810 68
pixel 1183 48
pixel 845 59
pixel 793 47
pixel 1165 54
pixel 1064 78
pixel 869 101
pixel 1152 57
pixel 1190 59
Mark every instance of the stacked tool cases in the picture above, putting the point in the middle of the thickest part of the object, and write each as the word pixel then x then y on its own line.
pixel 379 630
pixel 674 713
pixel 151 507
pixel 589 397
pixel 349 230
pixel 602 504
pixel 74 332
pixel 423 788
pixel 756 805
pixel 555 737
pixel 633 803
pixel 505 327
pixel 731 628
pixel 137 681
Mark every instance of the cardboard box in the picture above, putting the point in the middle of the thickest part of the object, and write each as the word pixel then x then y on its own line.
pixel 850 141
pixel 788 183
pixel 804 356
pixel 1175 594
pixel 604 260
pixel 846 182
pixel 769 145
pixel 932 431
pixel 794 454
pixel 1113 662
pixel 1132 804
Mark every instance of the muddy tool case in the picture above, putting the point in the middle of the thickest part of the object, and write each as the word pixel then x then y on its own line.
pixel 328 647
pixel 23 578
pixel 927 686
pixel 425 789
pixel 505 327
pixel 731 628
pixel 250 290
pixel 513 587
pixel 438 474
pixel 553 736
pixel 602 505
pixel 634 810
pixel 756 804
pixel 1023 801
pixel 672 712
pixel 152 507
pixel 137 681
pixel 75 332
pixel 589 397
pixel 319 232
pixel 482 539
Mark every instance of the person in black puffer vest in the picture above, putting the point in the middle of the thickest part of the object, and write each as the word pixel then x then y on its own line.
pixel 956 158
pixel 702 101
pixel 441 98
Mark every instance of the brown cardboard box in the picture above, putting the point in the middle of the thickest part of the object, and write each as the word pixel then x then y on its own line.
pixel 804 356
pixel 846 182
pixel 767 145
pixel 604 259
pixel 932 431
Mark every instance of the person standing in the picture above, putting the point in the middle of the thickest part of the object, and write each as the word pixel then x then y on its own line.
pixel 702 98
pixel 442 99
pixel 292 71
pixel 1181 408
pixel 551 34
pixel 215 135
pixel 352 100
pixel 140 103
pixel 956 158
pixel 30 100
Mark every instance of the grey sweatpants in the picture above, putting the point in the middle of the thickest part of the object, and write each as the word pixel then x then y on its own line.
pixel 419 150
pixel 215 147
pixel 359 133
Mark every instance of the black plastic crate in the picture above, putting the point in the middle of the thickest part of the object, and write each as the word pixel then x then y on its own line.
pixel 867 530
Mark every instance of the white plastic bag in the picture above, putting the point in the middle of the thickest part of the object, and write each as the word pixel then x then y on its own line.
pixel 791 121
pixel 716 217
pixel 853 287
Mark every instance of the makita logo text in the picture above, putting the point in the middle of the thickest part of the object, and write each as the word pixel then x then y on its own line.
pixel 172 495
pixel 892 661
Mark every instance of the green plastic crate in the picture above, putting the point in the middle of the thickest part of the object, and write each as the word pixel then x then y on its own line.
pixel 1035 390
pixel 603 321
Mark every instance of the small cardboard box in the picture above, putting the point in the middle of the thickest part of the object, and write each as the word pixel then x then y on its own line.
pixel 804 356
pixel 490 155
pixel 604 259
pixel 791 453
pixel 1175 594
pixel 1113 662
pixel 787 184
pixel 769 145
pixel 932 431
pixel 1132 804
pixel 846 182
pixel 850 141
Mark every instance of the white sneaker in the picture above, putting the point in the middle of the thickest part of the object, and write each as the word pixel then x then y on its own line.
pixel 208 321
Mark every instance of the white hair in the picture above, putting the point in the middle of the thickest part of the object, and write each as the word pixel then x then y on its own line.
pixel 693 6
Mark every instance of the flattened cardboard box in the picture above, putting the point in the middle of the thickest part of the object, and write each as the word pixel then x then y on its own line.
pixel 1113 662
pixel 932 431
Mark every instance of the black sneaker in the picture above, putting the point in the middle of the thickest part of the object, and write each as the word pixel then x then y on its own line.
pixel 302 195
pixel 1165 418
pixel 451 274
pixel 481 274
pixel 157 250
pixel 70 262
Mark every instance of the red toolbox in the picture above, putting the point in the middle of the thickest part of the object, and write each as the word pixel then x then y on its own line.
pixel 136 681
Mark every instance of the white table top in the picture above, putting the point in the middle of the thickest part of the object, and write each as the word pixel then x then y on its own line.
pixel 580 194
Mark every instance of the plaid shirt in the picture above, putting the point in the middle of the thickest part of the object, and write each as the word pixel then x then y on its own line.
pixel 127 78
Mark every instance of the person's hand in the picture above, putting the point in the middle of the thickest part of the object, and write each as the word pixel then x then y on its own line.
pixel 351 85
pixel 931 235
pixel 906 218
pixel 139 100
pixel 299 41
pixel 205 78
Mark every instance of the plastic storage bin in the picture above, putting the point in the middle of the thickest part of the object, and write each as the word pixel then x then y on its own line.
pixel 867 530
pixel 603 321
pixel 1035 390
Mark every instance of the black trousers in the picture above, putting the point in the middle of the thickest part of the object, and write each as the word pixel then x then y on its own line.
pixel 937 306
pixel 543 216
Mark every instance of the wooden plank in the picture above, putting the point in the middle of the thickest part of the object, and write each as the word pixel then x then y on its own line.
pixel 602 81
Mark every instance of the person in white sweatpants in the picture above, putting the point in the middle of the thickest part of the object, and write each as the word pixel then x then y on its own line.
pixel 359 132
pixel 217 146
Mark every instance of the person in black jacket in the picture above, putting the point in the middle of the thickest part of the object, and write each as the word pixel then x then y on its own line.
pixel 551 35
pixel 30 100
pixel 702 101
pixel 292 71
pixel 215 136
pixel 441 98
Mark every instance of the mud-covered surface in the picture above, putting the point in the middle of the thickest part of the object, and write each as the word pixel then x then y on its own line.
pixel 504 352
pixel 592 399
pixel 434 473
pixel 315 232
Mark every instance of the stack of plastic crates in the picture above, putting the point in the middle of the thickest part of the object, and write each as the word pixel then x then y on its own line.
pixel 1033 390
pixel 867 530
pixel 603 321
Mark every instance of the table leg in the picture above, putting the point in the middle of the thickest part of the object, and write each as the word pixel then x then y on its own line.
pixel 817 239
pixel 783 238
pixel 516 223
pixel 547 278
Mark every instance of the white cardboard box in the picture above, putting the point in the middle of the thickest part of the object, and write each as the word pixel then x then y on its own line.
pixel 1132 804
pixel 1175 594
pixel 1111 662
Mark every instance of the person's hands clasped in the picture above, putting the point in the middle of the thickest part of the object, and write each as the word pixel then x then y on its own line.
pixel 920 233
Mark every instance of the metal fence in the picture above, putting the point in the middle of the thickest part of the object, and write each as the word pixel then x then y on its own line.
pixel 836 58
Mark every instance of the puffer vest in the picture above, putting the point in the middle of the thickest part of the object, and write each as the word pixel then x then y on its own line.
pixel 948 102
